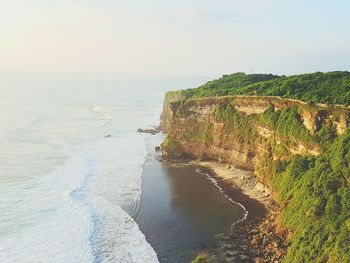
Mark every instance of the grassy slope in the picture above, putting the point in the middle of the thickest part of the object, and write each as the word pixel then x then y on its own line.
pixel 315 195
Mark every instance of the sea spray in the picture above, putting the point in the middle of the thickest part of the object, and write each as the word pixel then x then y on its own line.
pixel 83 219
pixel 60 198
pixel 117 162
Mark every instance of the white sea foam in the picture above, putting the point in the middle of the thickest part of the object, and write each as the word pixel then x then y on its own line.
pixel 67 193
pixel 215 182
pixel 116 162
pixel 101 112
pixel 82 209
pixel 58 229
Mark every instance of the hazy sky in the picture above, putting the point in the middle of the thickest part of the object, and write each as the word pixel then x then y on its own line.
pixel 182 37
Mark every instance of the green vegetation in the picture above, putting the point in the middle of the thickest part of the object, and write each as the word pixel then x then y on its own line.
pixel 243 126
pixel 202 137
pixel 286 123
pixel 202 258
pixel 315 194
pixel 228 84
pixel 313 191
pixel 331 87
pixel 325 136
pixel 168 144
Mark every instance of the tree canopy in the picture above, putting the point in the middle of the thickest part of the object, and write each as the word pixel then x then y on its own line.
pixel 330 87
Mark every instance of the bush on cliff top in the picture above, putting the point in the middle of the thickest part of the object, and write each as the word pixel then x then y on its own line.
pixel 226 84
pixel 331 87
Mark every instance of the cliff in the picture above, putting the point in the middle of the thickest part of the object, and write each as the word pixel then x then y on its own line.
pixel 296 146
pixel 167 113
pixel 248 131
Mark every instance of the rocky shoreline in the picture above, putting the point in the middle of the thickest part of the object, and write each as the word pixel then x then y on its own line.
pixel 261 240
pixel 258 238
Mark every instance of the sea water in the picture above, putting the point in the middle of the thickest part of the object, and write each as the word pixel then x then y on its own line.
pixel 182 211
pixel 75 175
pixel 70 169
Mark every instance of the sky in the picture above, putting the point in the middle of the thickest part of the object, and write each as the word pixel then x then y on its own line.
pixel 174 38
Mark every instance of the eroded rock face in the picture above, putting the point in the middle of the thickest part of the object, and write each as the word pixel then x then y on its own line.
pixel 193 130
pixel 309 119
pixel 342 122
pixel 167 113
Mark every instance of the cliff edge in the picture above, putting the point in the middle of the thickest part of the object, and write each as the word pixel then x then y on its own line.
pixel 248 131
pixel 298 145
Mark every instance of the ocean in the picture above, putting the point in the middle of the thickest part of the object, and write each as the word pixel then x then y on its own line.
pixel 71 165
pixel 79 184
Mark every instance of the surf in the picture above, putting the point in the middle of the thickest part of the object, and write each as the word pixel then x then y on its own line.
pixel 87 215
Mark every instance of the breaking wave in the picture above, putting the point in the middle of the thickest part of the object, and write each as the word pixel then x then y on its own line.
pixel 84 208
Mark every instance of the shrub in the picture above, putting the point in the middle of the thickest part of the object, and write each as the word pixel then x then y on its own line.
pixel 330 87
pixel 202 257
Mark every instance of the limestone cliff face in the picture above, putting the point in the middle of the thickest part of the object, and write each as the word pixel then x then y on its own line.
pixel 168 110
pixel 204 129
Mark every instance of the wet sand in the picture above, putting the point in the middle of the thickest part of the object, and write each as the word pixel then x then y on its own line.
pixel 258 238
pixel 241 186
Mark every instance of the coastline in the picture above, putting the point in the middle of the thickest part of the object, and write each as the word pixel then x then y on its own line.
pixel 257 237
pixel 181 212
pixel 244 180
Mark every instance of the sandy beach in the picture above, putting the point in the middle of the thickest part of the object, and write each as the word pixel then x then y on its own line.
pixel 258 237
pixel 243 180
